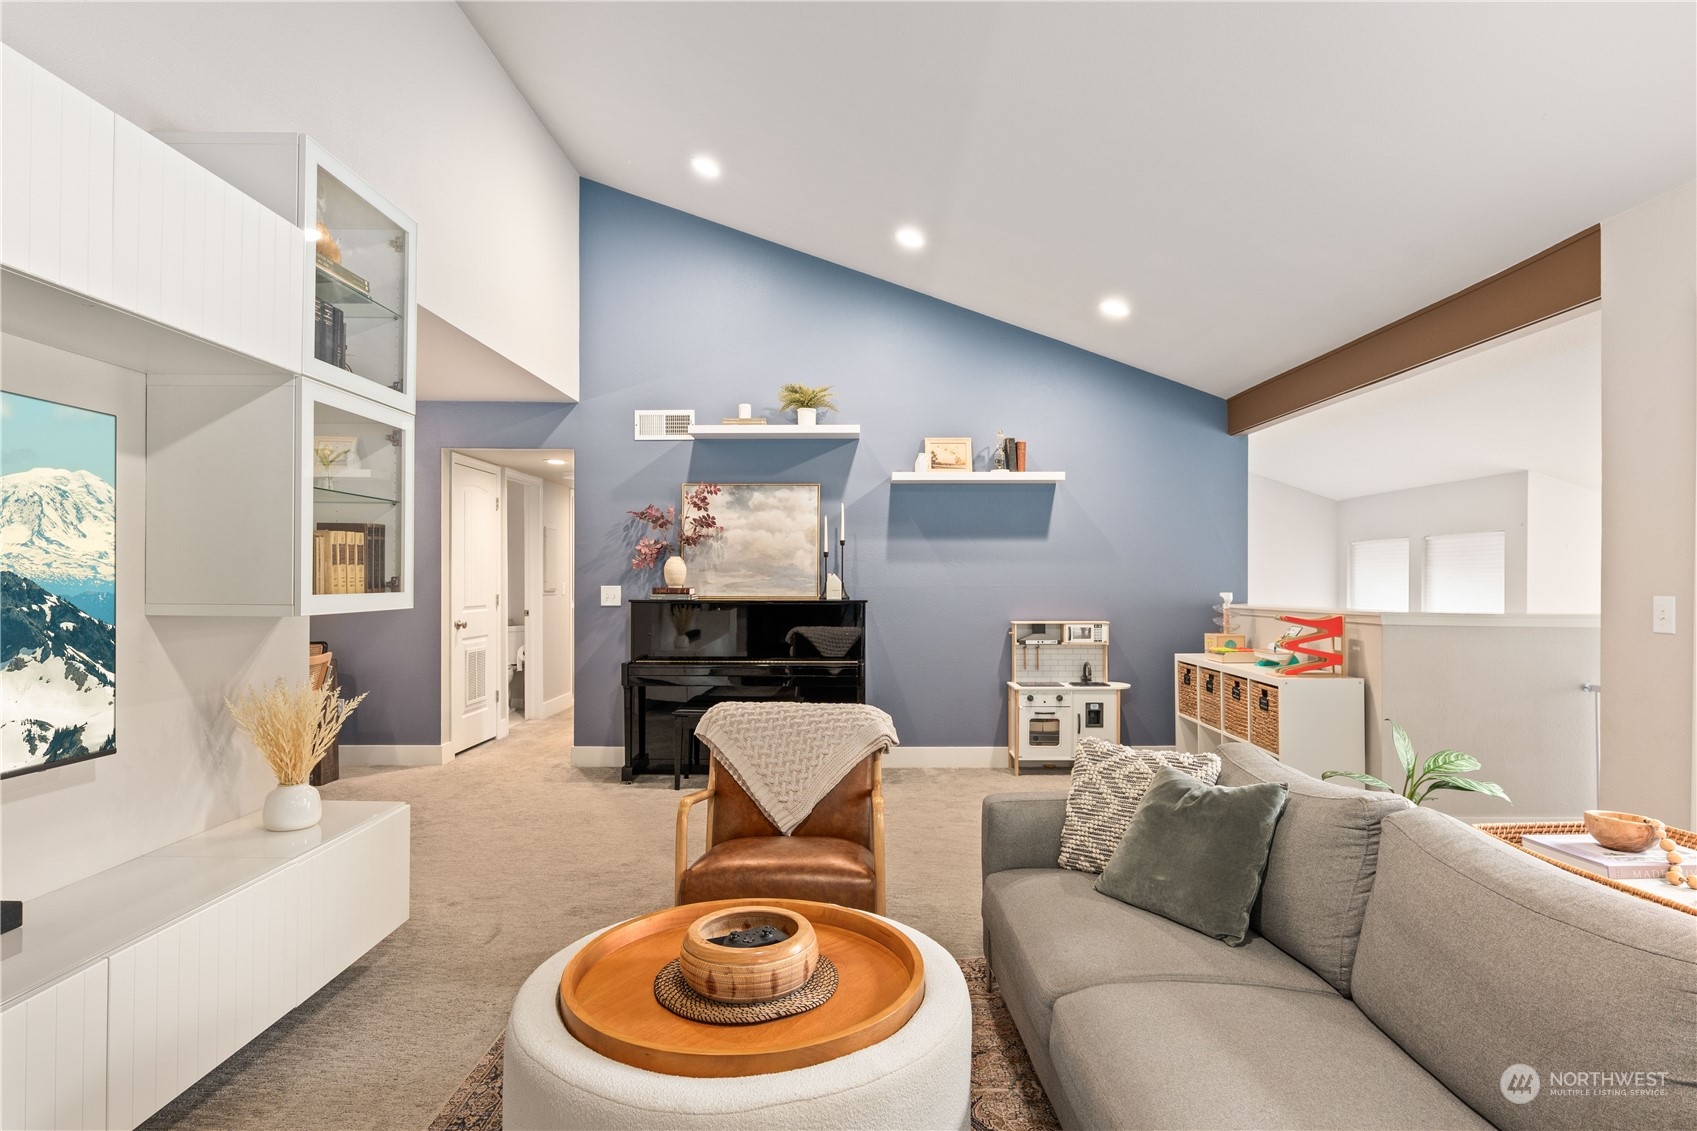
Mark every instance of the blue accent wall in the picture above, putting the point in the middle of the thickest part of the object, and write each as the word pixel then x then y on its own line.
pixel 678 312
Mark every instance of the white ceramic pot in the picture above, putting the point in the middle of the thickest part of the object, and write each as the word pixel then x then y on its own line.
pixel 807 417
pixel 675 571
pixel 291 807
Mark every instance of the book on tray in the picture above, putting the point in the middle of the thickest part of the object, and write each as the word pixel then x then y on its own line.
pixel 1580 851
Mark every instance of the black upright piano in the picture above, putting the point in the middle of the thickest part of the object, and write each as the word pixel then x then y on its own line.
pixel 686 656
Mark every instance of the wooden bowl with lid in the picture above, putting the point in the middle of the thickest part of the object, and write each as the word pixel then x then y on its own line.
pixel 1623 832
pixel 748 973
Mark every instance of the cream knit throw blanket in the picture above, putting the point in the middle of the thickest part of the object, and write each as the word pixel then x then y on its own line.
pixel 788 756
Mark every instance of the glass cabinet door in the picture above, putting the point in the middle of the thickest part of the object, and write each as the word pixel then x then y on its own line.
pixel 362 269
pixel 357 543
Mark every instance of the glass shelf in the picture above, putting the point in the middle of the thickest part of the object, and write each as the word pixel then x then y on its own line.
pixel 355 303
pixel 343 495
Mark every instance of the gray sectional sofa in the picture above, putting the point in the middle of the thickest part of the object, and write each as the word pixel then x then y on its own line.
pixel 1403 962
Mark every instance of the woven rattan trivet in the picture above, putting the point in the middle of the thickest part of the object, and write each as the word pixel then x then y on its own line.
pixel 677 995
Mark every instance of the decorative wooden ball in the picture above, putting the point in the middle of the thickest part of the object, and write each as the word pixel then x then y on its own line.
pixel 743 974
pixel 1623 832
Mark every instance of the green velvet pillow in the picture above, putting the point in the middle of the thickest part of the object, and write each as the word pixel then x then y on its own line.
pixel 1195 853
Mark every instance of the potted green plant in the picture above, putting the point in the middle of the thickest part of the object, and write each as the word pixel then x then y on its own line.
pixel 1442 770
pixel 807 401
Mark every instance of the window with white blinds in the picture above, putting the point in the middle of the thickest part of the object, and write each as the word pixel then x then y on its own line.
pixel 1378 575
pixel 1464 573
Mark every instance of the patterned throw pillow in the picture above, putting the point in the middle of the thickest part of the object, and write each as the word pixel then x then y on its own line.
pixel 1108 783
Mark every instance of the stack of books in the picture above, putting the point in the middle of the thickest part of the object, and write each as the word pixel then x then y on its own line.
pixel 674 592
pixel 334 270
pixel 349 557
pixel 330 334
pixel 1579 850
pixel 746 420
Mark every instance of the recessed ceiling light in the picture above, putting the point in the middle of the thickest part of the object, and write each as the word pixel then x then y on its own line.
pixel 910 237
pixel 705 167
pixel 555 462
pixel 1114 307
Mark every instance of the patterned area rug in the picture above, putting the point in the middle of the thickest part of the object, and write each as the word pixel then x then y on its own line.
pixel 1005 1093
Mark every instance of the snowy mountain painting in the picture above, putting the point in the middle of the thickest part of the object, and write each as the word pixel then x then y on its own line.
pixel 58 584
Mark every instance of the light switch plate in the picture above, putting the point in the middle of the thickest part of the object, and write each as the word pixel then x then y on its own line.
pixel 1662 615
pixel 611 595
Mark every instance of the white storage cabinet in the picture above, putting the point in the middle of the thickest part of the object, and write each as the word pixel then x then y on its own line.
pixel 1313 722
pixel 122 990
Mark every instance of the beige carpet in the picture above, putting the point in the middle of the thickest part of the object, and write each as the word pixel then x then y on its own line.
pixel 514 855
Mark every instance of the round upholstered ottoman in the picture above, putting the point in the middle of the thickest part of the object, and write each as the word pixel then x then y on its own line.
pixel 920 1077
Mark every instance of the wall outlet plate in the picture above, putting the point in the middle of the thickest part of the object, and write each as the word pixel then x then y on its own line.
pixel 1662 615
pixel 611 596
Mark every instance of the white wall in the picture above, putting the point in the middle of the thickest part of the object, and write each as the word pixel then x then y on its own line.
pixel 406 94
pixel 1649 504
pixel 1564 547
pixel 1293 546
pixel 180 766
pixel 557 628
pixel 1497 502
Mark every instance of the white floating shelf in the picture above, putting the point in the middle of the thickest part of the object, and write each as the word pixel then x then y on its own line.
pixel 986 478
pixel 774 431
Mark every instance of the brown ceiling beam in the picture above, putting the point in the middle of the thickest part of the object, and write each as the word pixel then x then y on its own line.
pixel 1556 280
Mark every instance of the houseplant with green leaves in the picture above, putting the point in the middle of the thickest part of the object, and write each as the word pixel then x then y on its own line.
pixel 807 401
pixel 1442 770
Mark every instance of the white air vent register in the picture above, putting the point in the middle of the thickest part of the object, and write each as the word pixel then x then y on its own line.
pixel 664 423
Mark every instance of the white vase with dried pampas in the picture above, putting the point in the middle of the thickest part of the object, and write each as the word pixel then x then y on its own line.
pixel 294 727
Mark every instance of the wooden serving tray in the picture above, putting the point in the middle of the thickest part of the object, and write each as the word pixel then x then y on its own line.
pixel 607 996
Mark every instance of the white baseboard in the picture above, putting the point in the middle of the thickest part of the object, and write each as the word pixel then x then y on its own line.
pixel 438 755
pixel 947 757
pixel 554 706
pixel 598 756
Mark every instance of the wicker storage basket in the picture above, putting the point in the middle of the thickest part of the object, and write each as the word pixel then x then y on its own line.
pixel 1512 833
pixel 1186 676
pixel 1264 716
pixel 1208 696
pixel 1234 706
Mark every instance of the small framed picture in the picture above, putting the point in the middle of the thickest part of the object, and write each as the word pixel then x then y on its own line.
pixel 333 454
pixel 948 453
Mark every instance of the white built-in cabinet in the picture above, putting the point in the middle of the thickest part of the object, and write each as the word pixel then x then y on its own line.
pixel 361 265
pixel 117 247
pixel 129 986
pixel 268 295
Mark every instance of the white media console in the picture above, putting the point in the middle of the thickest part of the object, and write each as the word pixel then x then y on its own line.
pixel 122 990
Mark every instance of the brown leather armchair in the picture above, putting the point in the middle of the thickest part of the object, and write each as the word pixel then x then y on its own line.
pixel 836 855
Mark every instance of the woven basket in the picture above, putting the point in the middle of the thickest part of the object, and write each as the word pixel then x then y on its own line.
pixel 1208 696
pixel 1512 834
pixel 1264 716
pixel 1186 677
pixel 1234 703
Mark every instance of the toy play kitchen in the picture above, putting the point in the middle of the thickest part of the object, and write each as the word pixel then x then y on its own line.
pixel 1060 691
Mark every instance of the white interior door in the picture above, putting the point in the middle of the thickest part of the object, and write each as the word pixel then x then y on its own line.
pixel 476 629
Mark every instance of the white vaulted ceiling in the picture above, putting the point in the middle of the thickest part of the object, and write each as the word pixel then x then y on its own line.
pixel 1261 182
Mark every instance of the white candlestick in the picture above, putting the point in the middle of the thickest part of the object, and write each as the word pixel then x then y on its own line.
pixel 842 522
pixel 824 533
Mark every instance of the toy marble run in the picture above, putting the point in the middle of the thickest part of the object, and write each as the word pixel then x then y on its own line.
pixel 1325 628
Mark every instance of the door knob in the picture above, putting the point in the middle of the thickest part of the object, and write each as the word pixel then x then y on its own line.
pixel 459 624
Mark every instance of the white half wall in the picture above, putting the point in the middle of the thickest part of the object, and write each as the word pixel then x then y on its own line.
pixel 1293 546
pixel 1649 505
pixel 181 766
pixel 1496 502
pixel 406 94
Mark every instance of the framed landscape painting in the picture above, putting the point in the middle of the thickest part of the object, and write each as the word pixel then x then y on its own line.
pixel 58 584
pixel 768 545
